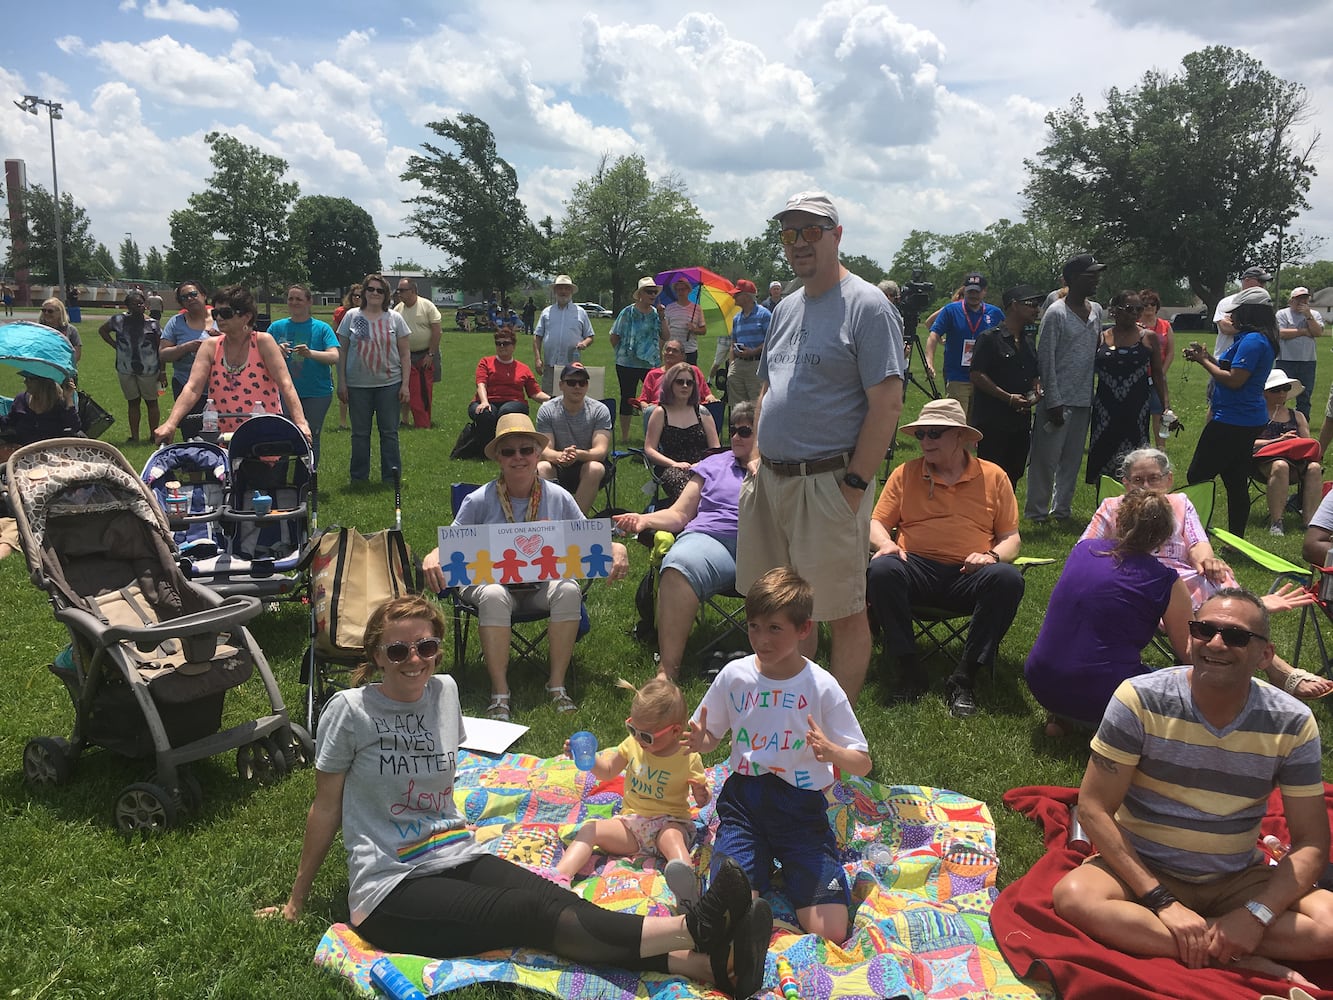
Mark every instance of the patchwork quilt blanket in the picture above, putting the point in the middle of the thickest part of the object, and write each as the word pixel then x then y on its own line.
pixel 921 863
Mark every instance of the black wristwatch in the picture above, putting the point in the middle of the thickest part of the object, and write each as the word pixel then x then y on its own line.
pixel 855 481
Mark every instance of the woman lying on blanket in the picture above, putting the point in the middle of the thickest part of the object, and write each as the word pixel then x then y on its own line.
pixel 660 775
pixel 384 772
pixel 1188 552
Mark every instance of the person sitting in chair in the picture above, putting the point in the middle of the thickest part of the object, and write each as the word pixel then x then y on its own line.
pixel 702 562
pixel 956 520
pixel 503 386
pixel 578 437
pixel 672 354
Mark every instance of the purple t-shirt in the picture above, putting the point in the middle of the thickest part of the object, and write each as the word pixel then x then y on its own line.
pixel 1101 615
pixel 719 497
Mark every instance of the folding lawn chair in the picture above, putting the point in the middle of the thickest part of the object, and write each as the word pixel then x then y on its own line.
pixel 523 646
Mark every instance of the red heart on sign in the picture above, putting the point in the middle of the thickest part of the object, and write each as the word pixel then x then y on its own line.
pixel 529 545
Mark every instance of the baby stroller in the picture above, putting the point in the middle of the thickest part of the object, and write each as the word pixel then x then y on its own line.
pixel 203 472
pixel 152 655
pixel 260 551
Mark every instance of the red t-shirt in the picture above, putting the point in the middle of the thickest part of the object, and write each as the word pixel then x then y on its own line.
pixel 506 383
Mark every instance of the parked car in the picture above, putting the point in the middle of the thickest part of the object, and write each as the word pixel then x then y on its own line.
pixel 596 310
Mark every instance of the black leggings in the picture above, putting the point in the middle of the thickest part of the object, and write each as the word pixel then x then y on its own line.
pixel 629 379
pixel 489 903
pixel 1227 450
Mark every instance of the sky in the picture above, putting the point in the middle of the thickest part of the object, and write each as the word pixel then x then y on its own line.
pixel 912 116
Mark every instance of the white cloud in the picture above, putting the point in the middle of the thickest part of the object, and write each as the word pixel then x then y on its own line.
pixel 71 45
pixel 187 13
pixel 127 5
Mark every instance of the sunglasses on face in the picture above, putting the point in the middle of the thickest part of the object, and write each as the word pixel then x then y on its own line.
pixel 48 310
pixel 376 289
pixel 1034 303
pixel 223 312
pixel 643 736
pixel 1232 635
pixel 741 430
pixel 935 433
pixel 1284 389
pixel 398 652
pixel 574 381
pixel 687 383
pixel 526 450
pixel 189 295
pixel 811 234
pixel 1130 309
pixel 504 343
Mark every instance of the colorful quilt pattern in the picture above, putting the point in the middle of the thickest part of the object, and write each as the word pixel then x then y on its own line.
pixel 921 862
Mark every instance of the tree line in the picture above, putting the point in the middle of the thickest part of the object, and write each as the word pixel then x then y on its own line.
pixel 1179 183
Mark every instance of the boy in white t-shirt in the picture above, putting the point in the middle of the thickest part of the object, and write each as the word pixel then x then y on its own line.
pixel 791 724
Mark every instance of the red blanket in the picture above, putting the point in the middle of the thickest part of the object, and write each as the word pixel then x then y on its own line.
pixel 1040 945
pixel 1294 449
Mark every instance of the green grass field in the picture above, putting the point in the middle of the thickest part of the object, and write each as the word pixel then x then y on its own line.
pixel 86 913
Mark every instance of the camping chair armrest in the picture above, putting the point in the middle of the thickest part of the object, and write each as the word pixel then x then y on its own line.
pixel 276 515
pixel 233 611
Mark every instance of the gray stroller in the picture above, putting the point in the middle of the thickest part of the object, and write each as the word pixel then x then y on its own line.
pixel 152 655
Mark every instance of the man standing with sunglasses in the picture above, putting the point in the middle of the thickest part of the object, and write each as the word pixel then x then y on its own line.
pixel 830 395
pixel 1004 375
pixel 956 523
pixel 578 432
pixel 1180 776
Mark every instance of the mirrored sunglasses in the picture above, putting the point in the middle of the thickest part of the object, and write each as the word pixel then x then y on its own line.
pixel 398 652
pixel 811 234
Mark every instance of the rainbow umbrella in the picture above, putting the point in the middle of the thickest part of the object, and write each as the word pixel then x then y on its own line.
pixel 710 290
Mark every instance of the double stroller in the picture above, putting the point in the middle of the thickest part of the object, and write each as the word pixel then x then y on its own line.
pixel 225 542
pixel 152 655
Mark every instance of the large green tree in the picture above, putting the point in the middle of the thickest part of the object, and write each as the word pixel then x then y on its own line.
pixel 619 224
pixel 469 207
pixel 246 206
pixel 131 261
pixel 193 254
pixel 759 258
pixel 338 241
pixel 102 267
pixel 76 237
pixel 155 265
pixel 1195 174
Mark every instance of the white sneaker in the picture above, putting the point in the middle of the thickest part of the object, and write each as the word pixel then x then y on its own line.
pixel 1275 529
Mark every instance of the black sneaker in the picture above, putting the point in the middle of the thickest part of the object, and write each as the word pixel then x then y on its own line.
pixel 750 950
pixel 960 698
pixel 712 921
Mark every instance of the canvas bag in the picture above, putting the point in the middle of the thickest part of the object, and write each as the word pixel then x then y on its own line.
pixel 352 575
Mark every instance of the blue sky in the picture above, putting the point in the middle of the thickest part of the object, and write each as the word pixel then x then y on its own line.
pixel 912 116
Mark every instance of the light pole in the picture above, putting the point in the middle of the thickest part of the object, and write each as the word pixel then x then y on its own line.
pixel 30 105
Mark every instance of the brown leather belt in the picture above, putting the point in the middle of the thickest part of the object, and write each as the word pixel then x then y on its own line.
pixel 806 468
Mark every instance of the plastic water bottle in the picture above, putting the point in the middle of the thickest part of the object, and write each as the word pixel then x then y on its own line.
pixel 258 409
pixel 210 418
pixel 878 854
pixel 1276 849
pixel 386 978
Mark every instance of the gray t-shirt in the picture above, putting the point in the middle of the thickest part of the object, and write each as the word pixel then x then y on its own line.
pixel 482 506
pixel 820 357
pixel 565 428
pixel 1066 347
pixel 398 812
pixel 1297 348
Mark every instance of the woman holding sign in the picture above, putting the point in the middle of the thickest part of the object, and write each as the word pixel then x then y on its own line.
pixel 516 496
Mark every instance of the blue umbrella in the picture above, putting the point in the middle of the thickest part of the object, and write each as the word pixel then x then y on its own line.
pixel 31 347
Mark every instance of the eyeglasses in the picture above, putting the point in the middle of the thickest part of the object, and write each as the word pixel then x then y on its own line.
pixel 811 234
pixel 1232 635
pixel 673 350
pixel 190 295
pixel 1034 303
pixel 525 450
pixel 643 736
pixel 223 312
pixel 742 430
pixel 935 433
pixel 398 652
pixel 686 383
pixel 376 289
pixel 504 343
pixel 1156 479
pixel 1129 309
pixel 573 381
pixel 1277 388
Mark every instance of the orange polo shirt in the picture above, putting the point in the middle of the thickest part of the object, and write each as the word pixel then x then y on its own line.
pixel 947 523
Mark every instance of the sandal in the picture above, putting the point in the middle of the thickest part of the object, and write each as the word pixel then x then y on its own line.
pixel 561 700
pixel 1296 678
pixel 498 709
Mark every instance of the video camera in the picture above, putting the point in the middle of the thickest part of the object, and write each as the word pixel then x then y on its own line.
pixel 916 294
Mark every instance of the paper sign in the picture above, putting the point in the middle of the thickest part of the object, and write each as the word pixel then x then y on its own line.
pixel 530 552
pixel 489 735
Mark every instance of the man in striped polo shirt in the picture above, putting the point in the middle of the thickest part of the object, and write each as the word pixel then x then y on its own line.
pixel 1178 782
